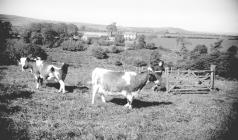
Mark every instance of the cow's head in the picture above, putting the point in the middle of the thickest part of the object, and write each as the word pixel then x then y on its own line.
pixel 24 62
pixel 155 72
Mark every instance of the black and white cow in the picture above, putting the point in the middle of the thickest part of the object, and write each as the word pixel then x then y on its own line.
pixel 45 71
pixel 128 84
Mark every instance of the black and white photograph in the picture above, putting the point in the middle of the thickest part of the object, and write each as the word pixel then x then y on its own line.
pixel 118 69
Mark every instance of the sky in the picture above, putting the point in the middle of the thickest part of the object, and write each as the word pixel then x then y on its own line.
pixel 215 16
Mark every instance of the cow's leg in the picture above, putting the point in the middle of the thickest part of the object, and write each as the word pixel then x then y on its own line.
pixel 103 98
pixel 62 86
pixel 38 81
pixel 129 100
pixel 95 90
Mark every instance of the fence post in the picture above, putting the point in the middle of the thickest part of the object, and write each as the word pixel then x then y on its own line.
pixel 167 78
pixel 212 76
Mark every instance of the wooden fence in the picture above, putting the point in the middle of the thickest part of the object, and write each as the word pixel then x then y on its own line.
pixel 190 80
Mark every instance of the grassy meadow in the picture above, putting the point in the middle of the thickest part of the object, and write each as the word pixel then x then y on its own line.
pixel 171 43
pixel 27 113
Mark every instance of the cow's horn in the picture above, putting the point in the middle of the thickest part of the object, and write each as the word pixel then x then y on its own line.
pixel 149 69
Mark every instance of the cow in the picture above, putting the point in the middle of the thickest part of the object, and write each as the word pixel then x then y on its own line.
pixel 45 71
pixel 128 84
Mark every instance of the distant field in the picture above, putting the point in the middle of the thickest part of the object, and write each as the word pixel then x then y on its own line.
pixel 171 43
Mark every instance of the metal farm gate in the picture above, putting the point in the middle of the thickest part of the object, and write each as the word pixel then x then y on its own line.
pixel 192 81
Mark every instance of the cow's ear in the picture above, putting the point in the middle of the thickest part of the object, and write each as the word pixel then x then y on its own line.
pixel 161 63
pixel 28 59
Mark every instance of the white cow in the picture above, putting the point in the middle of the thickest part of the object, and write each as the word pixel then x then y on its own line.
pixel 128 84
pixel 43 70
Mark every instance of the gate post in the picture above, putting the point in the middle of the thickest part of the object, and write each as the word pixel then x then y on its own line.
pixel 167 78
pixel 213 67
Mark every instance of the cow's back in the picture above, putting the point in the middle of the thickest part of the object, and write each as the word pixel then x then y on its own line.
pixel 113 81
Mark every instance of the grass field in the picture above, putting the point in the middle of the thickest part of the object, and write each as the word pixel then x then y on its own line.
pixel 27 113
pixel 171 43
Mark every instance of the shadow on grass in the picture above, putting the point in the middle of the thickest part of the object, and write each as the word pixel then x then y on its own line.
pixel 230 124
pixel 138 103
pixel 11 92
pixel 9 129
pixel 2 73
pixel 68 88
pixel 3 68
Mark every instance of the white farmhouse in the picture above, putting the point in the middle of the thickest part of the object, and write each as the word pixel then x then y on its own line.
pixel 87 35
pixel 130 35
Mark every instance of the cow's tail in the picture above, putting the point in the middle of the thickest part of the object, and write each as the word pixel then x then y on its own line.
pixel 64 69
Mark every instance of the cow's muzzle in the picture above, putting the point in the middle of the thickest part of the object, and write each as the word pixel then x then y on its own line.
pixel 25 67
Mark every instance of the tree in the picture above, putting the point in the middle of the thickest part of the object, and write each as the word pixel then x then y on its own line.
pixel 140 42
pixel 232 50
pixel 26 36
pixel 72 29
pixel 216 46
pixel 150 46
pixel 119 40
pixel 37 38
pixel 35 51
pixel 49 36
pixel 112 29
pixel 5 33
pixel 155 58
pixel 198 51
pixel 82 28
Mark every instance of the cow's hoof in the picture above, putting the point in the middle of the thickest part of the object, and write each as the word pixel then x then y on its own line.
pixel 128 106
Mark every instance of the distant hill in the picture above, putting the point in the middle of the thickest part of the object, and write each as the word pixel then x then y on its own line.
pixel 22 21
pixel 19 21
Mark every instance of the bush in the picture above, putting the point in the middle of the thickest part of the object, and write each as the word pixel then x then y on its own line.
pixel 140 63
pixel 74 46
pixel 226 64
pixel 103 42
pixel 115 49
pixel 135 61
pixel 155 58
pixel 55 44
pixel 150 46
pixel 99 53
pixel 232 50
pixel 198 51
pixel 35 51
pixel 118 63
pixel 216 46
pixel 17 48
pixel 130 45
pixel 37 38
pixel 119 40
pixel 140 42
pixel 5 34
pixel 164 49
